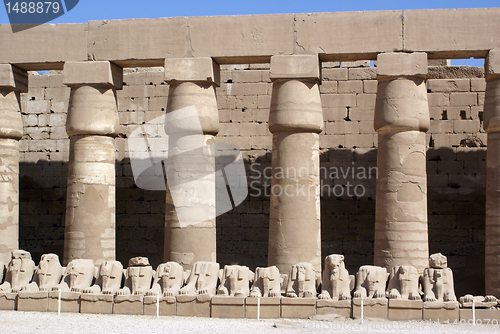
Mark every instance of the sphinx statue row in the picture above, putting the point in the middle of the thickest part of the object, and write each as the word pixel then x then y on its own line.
pixel 169 279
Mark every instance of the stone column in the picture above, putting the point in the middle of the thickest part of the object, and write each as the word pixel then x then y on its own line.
pixel 192 121
pixel 492 127
pixel 12 82
pixel 92 125
pixel 295 120
pixel 401 120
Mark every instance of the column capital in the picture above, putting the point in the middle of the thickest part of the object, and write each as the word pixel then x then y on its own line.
pixel 13 78
pixel 203 69
pixel 98 73
pixel 399 64
pixel 295 67
pixel 492 65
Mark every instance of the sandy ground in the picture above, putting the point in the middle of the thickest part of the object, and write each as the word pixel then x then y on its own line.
pixel 34 322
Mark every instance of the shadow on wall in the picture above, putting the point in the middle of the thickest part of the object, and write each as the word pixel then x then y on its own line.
pixel 456 209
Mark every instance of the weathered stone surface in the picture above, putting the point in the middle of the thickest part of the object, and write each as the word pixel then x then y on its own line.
pixel 404 310
pixel 372 308
pixel 193 305
pixel 8 301
pixel 96 303
pixel 202 280
pixel 437 282
pixel 295 67
pixel 483 316
pixel 79 275
pixel 169 279
pixel 301 281
pixel 33 301
pixel 70 301
pixel 301 308
pixel 463 33
pixel 336 283
pixel 267 282
pixel 439 311
pixel 371 282
pixel 341 307
pixel 108 281
pixel 372 32
pixel 20 271
pixel 404 283
pixel 270 307
pixel 167 305
pixel 12 77
pixel 49 272
pixel 235 281
pixel 402 64
pixel 228 307
pixel 101 73
pixel 192 69
pixel 129 304
pixel 45 46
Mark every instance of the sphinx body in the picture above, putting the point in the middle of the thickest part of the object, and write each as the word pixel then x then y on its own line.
pixel 49 272
pixel 79 275
pixel 370 282
pixel 139 277
pixel 19 273
pixel 109 279
pixel 301 281
pixel 168 281
pixel 403 283
pixel 438 280
pixel 267 282
pixel 202 279
pixel 336 282
pixel 235 281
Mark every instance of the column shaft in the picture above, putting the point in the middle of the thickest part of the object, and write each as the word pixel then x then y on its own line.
pixel 92 124
pixel 401 119
pixel 492 127
pixel 11 130
pixel 295 120
pixel 192 121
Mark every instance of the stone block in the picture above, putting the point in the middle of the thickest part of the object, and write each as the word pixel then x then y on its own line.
pixel 33 301
pixel 492 64
pixel 370 86
pixel 335 74
pixel 363 73
pixel 351 86
pixel 372 308
pixel 167 305
pixel 340 307
pixel 404 310
pixel 13 78
pixel 463 99
pixel 45 46
pixel 402 64
pixel 463 33
pixel 483 316
pixel 8 301
pixel 70 301
pixel 338 100
pixel 295 67
pixel 448 85
pixel 373 32
pixel 193 306
pixel 192 69
pixel 93 73
pixel 270 308
pixel 477 85
pixel 441 311
pixel 96 304
pixel 131 304
pixel 301 308
pixel 228 307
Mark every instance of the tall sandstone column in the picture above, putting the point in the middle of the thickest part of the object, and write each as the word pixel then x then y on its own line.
pixel 12 82
pixel 295 120
pixel 492 127
pixel 92 125
pixel 192 121
pixel 401 120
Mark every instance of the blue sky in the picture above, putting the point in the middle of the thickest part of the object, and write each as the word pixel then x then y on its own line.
pixel 87 10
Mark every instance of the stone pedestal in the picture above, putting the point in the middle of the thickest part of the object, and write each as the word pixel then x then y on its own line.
pixel 301 308
pixel 8 301
pixel 295 120
pixel 70 301
pixel 270 307
pixel 404 310
pixel 372 308
pixel 483 316
pixel 401 120
pixel 96 304
pixel 228 307
pixel 167 305
pixel 33 301
pixel 192 121
pixel 441 311
pixel 340 307
pixel 193 305
pixel 131 304
pixel 12 82
pixel 92 124
pixel 492 127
